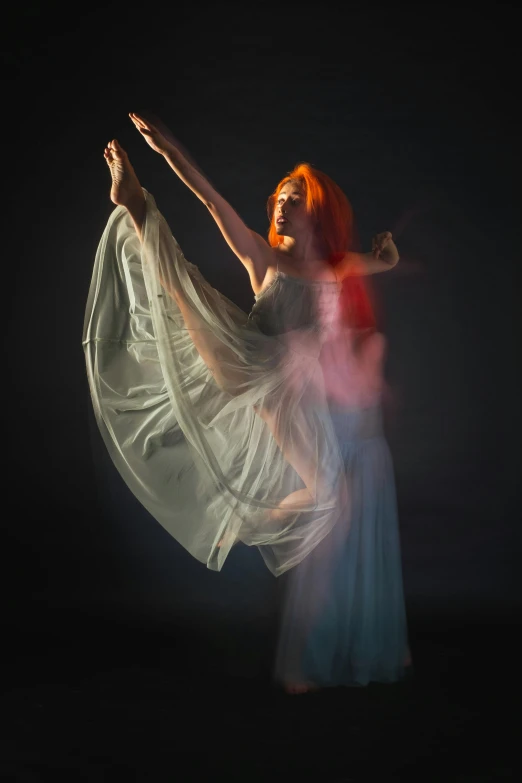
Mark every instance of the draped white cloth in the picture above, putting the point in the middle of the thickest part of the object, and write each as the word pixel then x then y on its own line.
pixel 211 418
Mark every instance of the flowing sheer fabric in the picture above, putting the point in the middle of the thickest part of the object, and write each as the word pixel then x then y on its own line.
pixel 212 416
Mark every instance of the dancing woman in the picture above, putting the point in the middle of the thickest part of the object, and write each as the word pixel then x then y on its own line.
pixel 219 421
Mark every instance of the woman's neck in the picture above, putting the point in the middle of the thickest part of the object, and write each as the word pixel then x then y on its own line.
pixel 304 252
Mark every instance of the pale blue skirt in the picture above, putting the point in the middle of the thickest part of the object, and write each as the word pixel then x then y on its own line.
pixel 344 620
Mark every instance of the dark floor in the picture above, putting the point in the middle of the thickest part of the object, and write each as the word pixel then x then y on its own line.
pixel 93 697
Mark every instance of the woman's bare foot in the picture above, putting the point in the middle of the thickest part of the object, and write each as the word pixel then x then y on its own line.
pixel 300 687
pixel 126 189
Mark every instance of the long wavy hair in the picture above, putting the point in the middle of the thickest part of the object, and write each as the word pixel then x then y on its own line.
pixel 333 215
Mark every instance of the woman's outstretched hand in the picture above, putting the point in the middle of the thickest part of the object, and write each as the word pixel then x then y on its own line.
pixel 384 248
pixel 151 134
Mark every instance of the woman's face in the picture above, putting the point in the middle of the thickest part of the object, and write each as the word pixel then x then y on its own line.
pixel 290 216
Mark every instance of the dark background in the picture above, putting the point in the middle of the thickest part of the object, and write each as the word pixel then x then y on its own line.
pixel 412 111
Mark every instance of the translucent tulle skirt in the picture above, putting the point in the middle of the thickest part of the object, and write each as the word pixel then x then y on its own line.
pixel 211 421
pixel 344 621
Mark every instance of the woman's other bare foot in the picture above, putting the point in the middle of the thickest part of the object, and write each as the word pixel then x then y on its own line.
pixel 291 506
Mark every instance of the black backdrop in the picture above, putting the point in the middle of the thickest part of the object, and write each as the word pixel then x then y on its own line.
pixel 412 113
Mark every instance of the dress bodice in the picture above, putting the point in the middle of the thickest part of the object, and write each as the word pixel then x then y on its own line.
pixel 290 302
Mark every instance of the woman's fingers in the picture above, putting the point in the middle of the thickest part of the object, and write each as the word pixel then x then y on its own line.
pixel 382 239
pixel 146 128
pixel 379 242
pixel 140 122
pixel 142 128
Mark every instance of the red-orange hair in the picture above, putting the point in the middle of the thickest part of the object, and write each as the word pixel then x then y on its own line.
pixel 327 203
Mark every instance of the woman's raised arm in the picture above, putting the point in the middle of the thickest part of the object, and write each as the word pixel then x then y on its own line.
pixel 251 249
